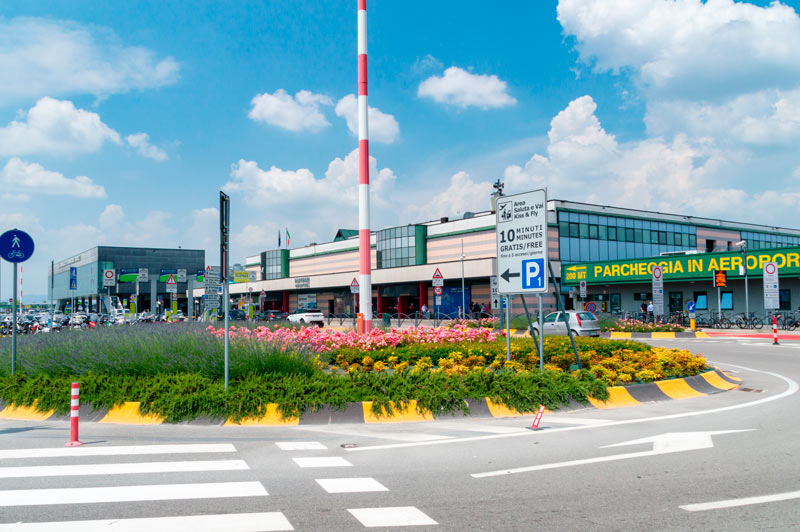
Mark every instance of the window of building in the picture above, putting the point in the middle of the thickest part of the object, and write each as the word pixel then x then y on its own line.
pixel 272 264
pixel 574 230
pixel 593 231
pixel 642 296
pixel 612 233
pixel 785 299
pixel 396 247
pixel 726 300
pixel 701 300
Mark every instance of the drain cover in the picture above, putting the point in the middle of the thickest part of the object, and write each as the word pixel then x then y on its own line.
pixel 349 445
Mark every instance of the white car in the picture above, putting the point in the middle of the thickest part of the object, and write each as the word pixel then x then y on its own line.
pixel 307 316
pixel 581 322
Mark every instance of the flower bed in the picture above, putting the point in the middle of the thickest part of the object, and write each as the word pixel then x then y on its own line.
pixel 640 326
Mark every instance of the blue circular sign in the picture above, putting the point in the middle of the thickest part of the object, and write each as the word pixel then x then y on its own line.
pixel 16 246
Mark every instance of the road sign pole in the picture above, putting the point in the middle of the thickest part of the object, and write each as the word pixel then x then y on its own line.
pixel 508 328
pixel 528 317
pixel 14 324
pixel 541 334
pixel 224 221
pixel 557 286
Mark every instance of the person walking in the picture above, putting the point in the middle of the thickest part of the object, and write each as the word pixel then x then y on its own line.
pixel 643 308
pixel 650 308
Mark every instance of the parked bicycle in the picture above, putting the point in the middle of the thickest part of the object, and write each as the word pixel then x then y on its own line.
pixel 751 322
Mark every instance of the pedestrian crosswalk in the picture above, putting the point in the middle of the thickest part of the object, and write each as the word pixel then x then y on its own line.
pixel 55 489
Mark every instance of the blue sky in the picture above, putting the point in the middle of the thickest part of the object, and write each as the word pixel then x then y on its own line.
pixel 121 121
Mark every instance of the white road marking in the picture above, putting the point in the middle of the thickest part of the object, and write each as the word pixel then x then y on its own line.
pixel 365 430
pixel 122 469
pixel 392 516
pixel 155 492
pixel 350 485
pixel 299 445
pixel 322 461
pixel 673 442
pixel 478 427
pixel 254 522
pixel 731 503
pixel 791 390
pixel 89 450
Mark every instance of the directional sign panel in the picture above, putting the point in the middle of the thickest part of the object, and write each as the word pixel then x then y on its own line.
pixel 771 286
pixel 522 243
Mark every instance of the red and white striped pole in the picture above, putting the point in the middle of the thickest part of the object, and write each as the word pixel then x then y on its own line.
pixel 364 251
pixel 74 414
pixel 775 330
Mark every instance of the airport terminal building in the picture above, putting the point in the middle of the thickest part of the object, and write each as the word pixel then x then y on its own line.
pixel 142 271
pixel 581 238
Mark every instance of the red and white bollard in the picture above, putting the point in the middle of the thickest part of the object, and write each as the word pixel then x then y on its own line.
pixel 74 414
pixel 774 330
pixel 538 418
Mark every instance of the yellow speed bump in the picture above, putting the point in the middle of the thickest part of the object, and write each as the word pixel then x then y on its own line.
pixel 128 414
pixel 618 397
pixel 409 414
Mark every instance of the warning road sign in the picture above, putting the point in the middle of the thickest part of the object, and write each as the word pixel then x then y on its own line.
pixel 438 278
pixel 354 287
pixel 172 284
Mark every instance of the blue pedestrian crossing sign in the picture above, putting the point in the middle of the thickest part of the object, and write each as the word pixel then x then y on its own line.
pixel 522 243
pixel 73 284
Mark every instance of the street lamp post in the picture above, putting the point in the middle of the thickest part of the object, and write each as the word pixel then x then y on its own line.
pixel 743 248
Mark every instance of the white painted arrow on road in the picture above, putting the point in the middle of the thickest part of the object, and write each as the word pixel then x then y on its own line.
pixel 670 442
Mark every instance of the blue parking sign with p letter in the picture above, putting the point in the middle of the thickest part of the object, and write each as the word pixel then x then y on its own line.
pixel 533 273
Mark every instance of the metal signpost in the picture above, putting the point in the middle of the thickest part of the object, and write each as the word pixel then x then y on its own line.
pixel 354 289
pixel 720 281
pixel 224 229
pixel 771 286
pixel 15 247
pixel 522 249
pixel 73 285
pixel 658 291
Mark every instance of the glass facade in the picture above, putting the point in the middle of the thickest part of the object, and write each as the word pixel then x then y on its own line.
pixel 397 247
pixel 764 240
pixel 274 264
pixel 587 237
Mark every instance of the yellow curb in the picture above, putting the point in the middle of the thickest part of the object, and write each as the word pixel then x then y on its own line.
pixel 701 334
pixel 678 389
pixel 620 335
pixel 718 382
pixel 618 397
pixel 271 417
pixel 128 414
pixel 24 413
pixel 737 379
pixel 501 410
pixel 409 414
pixel 663 335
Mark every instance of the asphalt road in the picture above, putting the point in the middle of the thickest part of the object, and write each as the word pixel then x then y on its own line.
pixel 723 462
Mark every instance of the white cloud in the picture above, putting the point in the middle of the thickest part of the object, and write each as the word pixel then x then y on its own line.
pixel 141 141
pixel 461 195
pixel 688 49
pixel 295 114
pixel 32 178
pixel 382 126
pixel 56 127
pixel 111 216
pixel 463 89
pixel 41 57
pixel 333 197
pixel 426 64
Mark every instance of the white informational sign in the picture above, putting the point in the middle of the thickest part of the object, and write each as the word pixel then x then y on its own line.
pixel 658 291
pixel 522 243
pixel 172 284
pixel 212 286
pixel 495 294
pixel 144 275
pixel 437 300
pixel 771 286
pixel 438 278
pixel 253 276
pixel 181 276
pixel 583 289
pixel 354 286
pixel 109 278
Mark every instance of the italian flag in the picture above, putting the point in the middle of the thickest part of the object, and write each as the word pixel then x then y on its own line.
pixel 288 237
